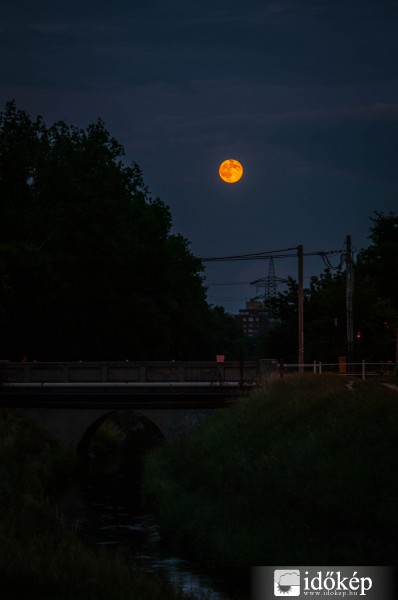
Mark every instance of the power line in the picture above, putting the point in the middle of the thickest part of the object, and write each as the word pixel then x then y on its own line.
pixel 279 279
pixel 270 280
pixel 227 282
pixel 251 256
pixel 269 255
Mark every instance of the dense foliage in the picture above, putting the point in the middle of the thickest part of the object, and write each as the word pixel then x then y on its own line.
pixel 305 474
pixel 375 306
pixel 39 556
pixel 89 266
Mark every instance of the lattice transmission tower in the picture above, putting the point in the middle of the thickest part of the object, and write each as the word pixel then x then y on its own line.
pixel 267 287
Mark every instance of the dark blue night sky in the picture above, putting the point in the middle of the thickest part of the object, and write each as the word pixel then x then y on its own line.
pixel 303 92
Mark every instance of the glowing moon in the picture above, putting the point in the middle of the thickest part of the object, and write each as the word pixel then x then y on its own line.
pixel 230 170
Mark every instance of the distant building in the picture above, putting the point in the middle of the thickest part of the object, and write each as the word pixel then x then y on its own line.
pixel 253 319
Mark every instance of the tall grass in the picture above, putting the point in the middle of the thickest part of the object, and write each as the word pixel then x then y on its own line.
pixel 303 472
pixel 39 557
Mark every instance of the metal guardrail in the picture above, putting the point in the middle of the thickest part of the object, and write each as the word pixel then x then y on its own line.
pixel 361 369
pixel 130 372
pixel 174 374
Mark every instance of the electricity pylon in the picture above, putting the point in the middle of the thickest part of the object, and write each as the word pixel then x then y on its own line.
pixel 269 284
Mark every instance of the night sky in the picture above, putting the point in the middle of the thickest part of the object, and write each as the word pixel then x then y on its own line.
pixel 303 92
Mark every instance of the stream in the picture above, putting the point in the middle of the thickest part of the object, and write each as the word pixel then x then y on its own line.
pixel 105 510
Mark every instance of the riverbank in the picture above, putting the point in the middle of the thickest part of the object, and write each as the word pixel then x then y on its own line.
pixel 39 556
pixel 302 472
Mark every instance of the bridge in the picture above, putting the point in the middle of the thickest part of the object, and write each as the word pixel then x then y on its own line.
pixel 71 400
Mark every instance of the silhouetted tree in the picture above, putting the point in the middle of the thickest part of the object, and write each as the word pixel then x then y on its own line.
pixel 281 340
pixel 89 267
pixel 376 290
pixel 375 306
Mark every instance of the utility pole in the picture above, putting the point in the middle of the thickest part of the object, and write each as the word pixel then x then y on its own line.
pixel 348 298
pixel 396 355
pixel 300 255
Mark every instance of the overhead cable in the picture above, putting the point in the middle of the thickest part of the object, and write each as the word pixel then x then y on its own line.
pixel 267 255
pixel 251 256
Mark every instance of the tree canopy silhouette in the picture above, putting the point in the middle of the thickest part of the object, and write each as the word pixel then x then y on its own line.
pixel 89 265
pixel 375 306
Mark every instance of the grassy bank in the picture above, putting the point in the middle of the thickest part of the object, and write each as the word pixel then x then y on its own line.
pixel 39 557
pixel 303 472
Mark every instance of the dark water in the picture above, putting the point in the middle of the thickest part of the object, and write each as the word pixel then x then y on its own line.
pixel 106 511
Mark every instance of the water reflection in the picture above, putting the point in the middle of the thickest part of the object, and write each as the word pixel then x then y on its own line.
pixel 114 519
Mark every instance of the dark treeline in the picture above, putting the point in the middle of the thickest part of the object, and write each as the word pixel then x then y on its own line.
pixel 375 306
pixel 91 270
pixel 89 266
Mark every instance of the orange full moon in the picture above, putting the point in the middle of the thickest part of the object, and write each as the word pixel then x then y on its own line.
pixel 230 170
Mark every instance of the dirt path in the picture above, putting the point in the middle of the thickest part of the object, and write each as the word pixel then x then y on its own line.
pixel 391 386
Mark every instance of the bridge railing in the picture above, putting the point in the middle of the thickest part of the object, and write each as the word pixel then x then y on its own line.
pixel 361 369
pixel 139 372
pixel 178 373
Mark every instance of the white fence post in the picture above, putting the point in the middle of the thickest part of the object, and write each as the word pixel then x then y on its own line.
pixel 363 370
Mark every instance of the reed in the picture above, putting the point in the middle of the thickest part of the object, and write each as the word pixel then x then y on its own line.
pixel 302 472
pixel 39 557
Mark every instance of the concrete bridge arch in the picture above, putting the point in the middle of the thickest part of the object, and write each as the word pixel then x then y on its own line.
pixel 74 428
pixel 71 400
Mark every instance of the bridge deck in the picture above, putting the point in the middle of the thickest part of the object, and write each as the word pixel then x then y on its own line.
pixel 120 395
pixel 116 399
pixel 128 384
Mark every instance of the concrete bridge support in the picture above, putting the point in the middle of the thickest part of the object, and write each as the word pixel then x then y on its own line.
pixel 71 400
pixel 74 428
